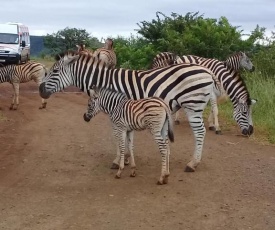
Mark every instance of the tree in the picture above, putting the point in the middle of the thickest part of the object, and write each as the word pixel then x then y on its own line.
pixel 193 34
pixel 67 39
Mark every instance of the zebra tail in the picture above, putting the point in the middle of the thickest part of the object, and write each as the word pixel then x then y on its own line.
pixel 170 125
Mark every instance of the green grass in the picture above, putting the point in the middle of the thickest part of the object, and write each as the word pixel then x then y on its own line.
pixel 263 115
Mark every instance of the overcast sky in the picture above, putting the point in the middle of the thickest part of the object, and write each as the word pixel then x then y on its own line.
pixel 120 17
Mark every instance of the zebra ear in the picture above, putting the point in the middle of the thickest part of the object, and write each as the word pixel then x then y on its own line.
pixel 92 92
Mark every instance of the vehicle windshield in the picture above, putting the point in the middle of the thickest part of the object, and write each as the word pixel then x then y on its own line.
pixel 9 38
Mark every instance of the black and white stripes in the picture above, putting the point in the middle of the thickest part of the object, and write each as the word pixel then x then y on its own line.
pixel 16 74
pixel 128 115
pixel 185 85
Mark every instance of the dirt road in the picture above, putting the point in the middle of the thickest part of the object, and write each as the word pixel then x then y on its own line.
pixel 54 174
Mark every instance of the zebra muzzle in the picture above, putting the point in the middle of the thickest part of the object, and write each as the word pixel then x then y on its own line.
pixel 86 118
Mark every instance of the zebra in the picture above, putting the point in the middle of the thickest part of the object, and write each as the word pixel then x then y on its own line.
pixel 236 89
pixel 238 61
pixel 185 85
pixel 127 115
pixel 16 74
pixel 222 70
pixel 107 54
pixel 81 49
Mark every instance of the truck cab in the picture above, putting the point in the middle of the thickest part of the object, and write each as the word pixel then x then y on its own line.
pixel 14 43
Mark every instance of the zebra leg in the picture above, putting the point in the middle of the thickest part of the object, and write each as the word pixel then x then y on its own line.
pixel 121 138
pixel 43 101
pixel 165 181
pixel 115 164
pixel 162 144
pixel 214 115
pixel 130 137
pixel 15 99
pixel 197 125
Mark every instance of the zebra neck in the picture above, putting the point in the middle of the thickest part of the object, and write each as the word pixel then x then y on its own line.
pixel 235 87
pixel 112 101
pixel 97 75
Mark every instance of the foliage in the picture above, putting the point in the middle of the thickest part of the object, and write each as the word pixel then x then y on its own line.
pixel 68 38
pixel 193 34
pixel 133 52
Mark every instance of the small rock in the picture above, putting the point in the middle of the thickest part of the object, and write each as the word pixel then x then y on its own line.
pixel 25 160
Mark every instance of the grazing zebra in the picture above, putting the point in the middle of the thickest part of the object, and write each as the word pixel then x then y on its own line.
pixel 81 49
pixel 231 84
pixel 16 74
pixel 224 72
pixel 128 115
pixel 238 61
pixel 107 54
pixel 186 85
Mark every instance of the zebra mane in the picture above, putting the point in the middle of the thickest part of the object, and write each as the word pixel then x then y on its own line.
pixel 74 53
pixel 112 90
pixel 64 53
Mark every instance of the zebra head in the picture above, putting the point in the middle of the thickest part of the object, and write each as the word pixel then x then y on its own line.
pixel 245 62
pixel 243 115
pixel 59 76
pixel 93 104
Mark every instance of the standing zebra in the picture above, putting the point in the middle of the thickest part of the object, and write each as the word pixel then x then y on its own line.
pixel 107 54
pixel 81 49
pixel 128 115
pixel 16 74
pixel 225 72
pixel 186 85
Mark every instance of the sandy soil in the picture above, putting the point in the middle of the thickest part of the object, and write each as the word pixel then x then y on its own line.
pixel 55 174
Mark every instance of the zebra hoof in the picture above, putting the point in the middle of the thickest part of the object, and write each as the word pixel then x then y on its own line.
pixel 117 177
pixel 189 169
pixel 133 174
pixel 218 132
pixel 177 122
pixel 212 128
pixel 159 182
pixel 165 180
pixel 114 166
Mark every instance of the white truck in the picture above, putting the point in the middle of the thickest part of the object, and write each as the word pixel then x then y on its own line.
pixel 14 43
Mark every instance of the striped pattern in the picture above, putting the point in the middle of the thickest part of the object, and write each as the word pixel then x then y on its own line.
pixel 232 85
pixel 230 82
pixel 238 61
pixel 107 54
pixel 128 115
pixel 186 85
pixel 164 59
pixel 16 74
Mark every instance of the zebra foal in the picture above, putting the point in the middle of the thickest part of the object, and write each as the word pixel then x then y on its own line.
pixel 128 115
pixel 16 74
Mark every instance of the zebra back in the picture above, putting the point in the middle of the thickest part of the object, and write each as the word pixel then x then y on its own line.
pixel 238 61
pixel 163 59
pixel 23 73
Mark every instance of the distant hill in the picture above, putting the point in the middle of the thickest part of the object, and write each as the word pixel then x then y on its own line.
pixel 37 44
